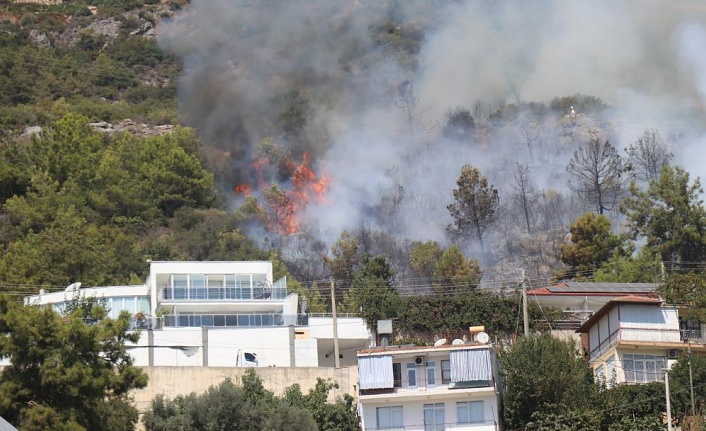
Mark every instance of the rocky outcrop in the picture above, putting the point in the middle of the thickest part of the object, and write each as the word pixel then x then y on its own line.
pixel 130 126
pixel 38 2
pixel 31 130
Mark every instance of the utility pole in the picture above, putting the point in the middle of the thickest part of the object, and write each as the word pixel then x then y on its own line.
pixel 691 382
pixel 669 407
pixel 337 359
pixel 525 314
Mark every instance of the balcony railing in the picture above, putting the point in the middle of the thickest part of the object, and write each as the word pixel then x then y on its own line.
pixel 649 335
pixel 233 320
pixel 694 335
pixel 251 293
pixel 488 425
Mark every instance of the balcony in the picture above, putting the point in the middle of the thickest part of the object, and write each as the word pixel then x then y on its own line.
pixel 637 335
pixel 248 293
pixel 233 320
pixel 476 426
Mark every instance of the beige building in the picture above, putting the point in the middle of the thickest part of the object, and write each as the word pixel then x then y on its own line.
pixel 633 339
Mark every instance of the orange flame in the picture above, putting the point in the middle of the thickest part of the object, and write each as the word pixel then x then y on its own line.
pixel 285 209
pixel 242 189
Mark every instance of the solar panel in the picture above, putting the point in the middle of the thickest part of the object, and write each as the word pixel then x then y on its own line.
pixel 591 287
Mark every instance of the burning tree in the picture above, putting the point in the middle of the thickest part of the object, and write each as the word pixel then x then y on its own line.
pixel 286 187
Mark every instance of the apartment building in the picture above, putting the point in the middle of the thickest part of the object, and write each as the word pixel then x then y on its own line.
pixel 443 387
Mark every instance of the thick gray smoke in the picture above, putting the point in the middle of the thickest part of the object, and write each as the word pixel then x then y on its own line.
pixel 387 160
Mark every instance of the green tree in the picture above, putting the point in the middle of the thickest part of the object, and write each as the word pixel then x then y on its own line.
pixel 669 215
pixel 371 292
pixel 250 406
pixel 337 416
pixel 449 314
pixel 70 149
pixel 475 203
pixel 686 290
pixel 592 244
pixel 680 384
pixel 71 249
pixel 544 375
pixel 424 256
pixel 634 407
pixel 643 268
pixel 454 273
pixel 344 262
pixel 64 373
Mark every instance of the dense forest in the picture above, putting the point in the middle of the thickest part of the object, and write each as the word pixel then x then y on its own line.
pixel 325 137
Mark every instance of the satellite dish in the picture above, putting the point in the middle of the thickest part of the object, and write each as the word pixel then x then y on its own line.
pixel 189 351
pixel 73 287
pixel 440 342
pixel 457 342
pixel 482 338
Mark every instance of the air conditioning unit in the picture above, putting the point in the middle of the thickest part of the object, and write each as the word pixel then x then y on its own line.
pixel 673 353
pixel 419 360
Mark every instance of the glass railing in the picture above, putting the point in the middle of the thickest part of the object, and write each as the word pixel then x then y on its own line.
pixel 253 293
pixel 233 320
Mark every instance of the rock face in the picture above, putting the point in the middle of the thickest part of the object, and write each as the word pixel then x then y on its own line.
pixel 106 27
pixel 130 126
pixel 31 130
pixel 37 1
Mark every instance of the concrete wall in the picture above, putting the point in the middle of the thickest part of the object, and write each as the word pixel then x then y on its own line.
pixel 413 412
pixel 173 381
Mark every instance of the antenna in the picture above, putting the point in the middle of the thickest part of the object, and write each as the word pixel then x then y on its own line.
pixel 440 342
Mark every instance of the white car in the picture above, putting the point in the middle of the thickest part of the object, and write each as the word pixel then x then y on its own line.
pixel 246 359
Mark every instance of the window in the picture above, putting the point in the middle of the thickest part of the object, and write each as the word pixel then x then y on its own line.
pixel 690 329
pixel 397 374
pixel 470 412
pixel 445 372
pixel 243 286
pixel 434 417
pixel 198 286
pixel 412 375
pixel 389 417
pixel 215 287
pixel 180 282
pixel 643 368
pixel 431 373
pixel 599 374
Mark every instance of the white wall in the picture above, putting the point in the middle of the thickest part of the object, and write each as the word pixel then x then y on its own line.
pixel 306 352
pixel 348 327
pixel 165 341
pixel 413 412
pixel 270 344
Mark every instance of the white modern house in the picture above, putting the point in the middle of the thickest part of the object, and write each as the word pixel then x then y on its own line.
pixel 633 339
pixel 221 314
pixel 442 387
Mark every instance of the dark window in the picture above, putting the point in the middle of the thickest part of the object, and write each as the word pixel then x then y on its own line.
pixel 445 372
pixel 397 374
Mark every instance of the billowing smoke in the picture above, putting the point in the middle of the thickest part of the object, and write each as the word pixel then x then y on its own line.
pixel 315 76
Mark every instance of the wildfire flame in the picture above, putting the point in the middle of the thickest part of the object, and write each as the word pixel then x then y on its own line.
pixel 243 189
pixel 285 206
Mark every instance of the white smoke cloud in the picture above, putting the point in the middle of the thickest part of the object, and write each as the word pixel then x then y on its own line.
pixel 240 55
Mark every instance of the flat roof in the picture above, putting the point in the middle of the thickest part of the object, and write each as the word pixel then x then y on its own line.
pixel 578 288
pixel 378 351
